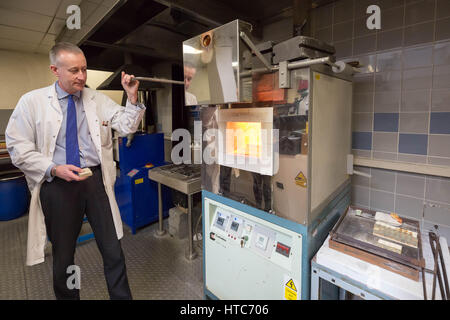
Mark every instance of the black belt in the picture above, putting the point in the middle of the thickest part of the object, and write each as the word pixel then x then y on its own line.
pixel 98 167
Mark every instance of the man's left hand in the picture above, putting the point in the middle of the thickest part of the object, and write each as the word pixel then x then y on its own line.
pixel 130 87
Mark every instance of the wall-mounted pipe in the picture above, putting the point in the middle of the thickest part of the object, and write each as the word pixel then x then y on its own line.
pixel 307 63
pixel 292 65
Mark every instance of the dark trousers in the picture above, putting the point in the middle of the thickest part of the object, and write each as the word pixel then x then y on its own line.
pixel 64 205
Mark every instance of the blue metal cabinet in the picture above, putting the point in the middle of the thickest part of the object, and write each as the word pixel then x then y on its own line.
pixel 136 195
pixel 137 198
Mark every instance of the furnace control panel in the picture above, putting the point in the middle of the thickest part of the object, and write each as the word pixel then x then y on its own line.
pixel 259 258
pixel 231 229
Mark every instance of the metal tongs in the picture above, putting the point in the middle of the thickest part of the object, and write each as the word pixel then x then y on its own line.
pixel 442 278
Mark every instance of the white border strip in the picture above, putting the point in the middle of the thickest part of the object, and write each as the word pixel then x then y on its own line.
pixel 421 168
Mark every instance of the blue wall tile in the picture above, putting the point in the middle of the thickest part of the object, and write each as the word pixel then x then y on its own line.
pixel 440 123
pixel 387 122
pixel 362 140
pixel 413 143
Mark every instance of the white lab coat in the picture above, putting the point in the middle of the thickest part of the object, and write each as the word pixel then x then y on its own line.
pixel 31 138
pixel 190 99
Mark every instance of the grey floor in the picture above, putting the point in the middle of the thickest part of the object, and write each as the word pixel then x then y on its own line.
pixel 156 267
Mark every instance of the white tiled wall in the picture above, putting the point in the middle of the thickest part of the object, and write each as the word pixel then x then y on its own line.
pixel 405 82
pixel 421 197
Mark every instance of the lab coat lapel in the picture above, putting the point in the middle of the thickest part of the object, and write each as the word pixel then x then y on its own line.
pixel 54 99
pixel 90 107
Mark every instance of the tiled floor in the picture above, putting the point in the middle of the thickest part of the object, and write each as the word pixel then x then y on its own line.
pixel 156 267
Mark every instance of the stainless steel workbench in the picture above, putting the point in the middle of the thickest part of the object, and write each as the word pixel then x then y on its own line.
pixel 184 178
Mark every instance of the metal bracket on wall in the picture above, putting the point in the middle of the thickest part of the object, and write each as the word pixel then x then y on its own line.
pixel 350 169
pixel 284 76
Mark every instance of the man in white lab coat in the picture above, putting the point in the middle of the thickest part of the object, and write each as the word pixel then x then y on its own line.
pixel 189 74
pixel 52 134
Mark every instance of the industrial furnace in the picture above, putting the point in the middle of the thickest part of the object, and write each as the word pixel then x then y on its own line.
pixel 276 125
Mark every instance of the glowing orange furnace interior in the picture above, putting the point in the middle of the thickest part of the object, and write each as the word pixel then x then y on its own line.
pixel 246 138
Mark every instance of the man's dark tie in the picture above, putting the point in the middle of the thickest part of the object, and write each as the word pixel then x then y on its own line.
pixel 72 150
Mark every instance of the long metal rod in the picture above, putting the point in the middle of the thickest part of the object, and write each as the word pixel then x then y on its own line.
pixel 190 224
pixel 424 286
pixel 258 70
pixel 191 254
pixel 436 268
pixel 444 270
pixel 434 243
pixel 160 209
pixel 255 50
pixel 160 232
pixel 290 66
pixel 163 80
pixel 423 264
pixel 307 63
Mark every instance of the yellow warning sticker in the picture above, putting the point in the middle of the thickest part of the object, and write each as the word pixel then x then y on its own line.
pixel 290 288
pixel 317 76
pixel 138 181
pixel 289 294
pixel 291 285
pixel 301 180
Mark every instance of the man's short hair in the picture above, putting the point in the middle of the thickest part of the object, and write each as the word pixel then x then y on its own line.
pixel 188 64
pixel 62 46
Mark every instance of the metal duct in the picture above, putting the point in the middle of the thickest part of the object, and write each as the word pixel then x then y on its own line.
pixel 301 17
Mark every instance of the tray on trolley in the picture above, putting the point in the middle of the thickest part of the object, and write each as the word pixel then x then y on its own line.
pixel 394 247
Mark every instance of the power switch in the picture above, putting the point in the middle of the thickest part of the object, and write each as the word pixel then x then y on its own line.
pixel 283 249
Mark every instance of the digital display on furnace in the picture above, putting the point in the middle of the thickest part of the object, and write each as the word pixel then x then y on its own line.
pixel 234 226
pixel 220 221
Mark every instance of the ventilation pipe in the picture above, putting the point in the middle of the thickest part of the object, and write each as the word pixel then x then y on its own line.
pixel 301 17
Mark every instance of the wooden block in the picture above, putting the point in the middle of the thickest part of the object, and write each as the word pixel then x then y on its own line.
pixel 384 263
pixel 85 173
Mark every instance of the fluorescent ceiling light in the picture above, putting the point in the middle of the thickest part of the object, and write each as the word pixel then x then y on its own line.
pixel 190 50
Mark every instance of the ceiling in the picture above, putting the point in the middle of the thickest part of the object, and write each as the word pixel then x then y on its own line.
pixel 34 25
pixel 118 32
